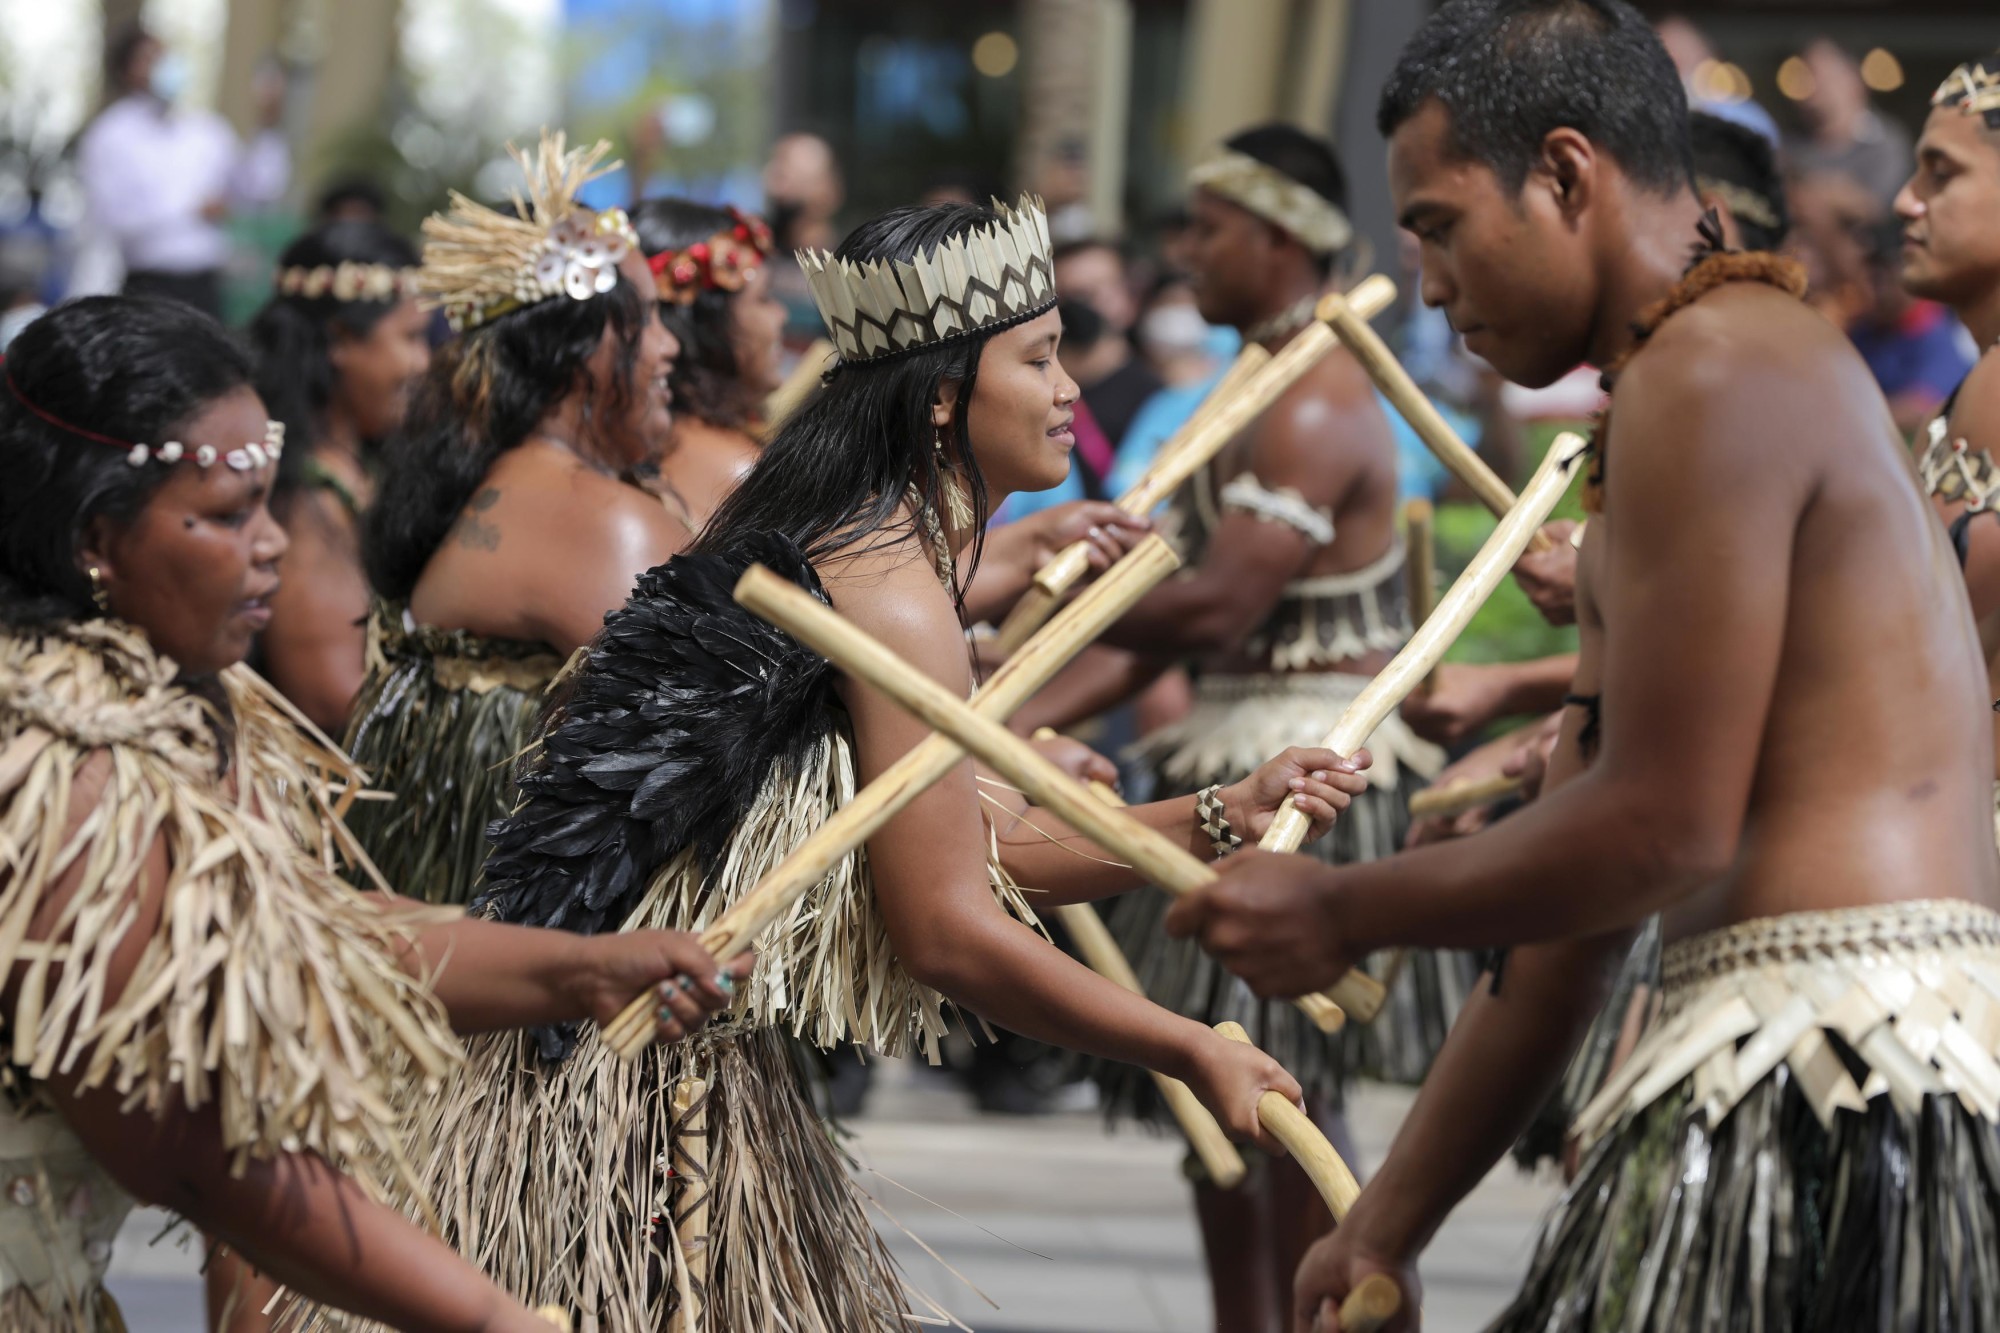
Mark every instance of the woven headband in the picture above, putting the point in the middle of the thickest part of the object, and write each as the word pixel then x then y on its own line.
pixel 1308 216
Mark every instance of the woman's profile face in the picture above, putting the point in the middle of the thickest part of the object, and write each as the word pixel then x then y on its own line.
pixel 642 433
pixel 1023 409
pixel 376 372
pixel 757 326
pixel 196 568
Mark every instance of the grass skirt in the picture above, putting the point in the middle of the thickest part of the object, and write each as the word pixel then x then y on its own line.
pixel 1239 723
pixel 1805 1141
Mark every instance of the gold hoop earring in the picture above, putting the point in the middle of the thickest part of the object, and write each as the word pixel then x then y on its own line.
pixel 98 595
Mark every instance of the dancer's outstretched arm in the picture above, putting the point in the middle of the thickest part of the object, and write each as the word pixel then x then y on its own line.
pixel 492 976
pixel 293 1217
pixel 929 868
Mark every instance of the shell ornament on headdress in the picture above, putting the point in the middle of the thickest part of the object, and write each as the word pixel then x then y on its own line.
pixel 480 263
pixel 986 279
pixel 1974 88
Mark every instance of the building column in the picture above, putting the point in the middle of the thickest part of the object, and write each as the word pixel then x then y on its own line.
pixel 250 36
pixel 353 78
pixel 1235 76
pixel 1076 90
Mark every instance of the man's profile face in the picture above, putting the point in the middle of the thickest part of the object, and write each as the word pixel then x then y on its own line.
pixel 1951 210
pixel 1228 252
pixel 1510 270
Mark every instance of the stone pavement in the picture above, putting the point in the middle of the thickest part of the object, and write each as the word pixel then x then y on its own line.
pixel 1066 1228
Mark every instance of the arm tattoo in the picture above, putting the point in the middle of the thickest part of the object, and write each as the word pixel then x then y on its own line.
pixel 473 531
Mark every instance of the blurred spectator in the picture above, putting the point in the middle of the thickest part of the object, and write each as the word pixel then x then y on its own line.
pixel 803 193
pixel 1917 349
pixel 1736 173
pixel 159 181
pixel 1689 48
pixel 353 199
pixel 1180 346
pixel 960 187
pixel 1832 216
pixel 24 264
pixel 1843 132
pixel 1064 185
pixel 1114 380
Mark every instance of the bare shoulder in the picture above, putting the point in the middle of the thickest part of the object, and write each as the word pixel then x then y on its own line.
pixel 1722 384
pixel 887 585
pixel 1975 414
pixel 549 496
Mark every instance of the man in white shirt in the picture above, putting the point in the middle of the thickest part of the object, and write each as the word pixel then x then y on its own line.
pixel 158 181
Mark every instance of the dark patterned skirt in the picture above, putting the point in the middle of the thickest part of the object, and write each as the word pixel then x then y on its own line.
pixel 1806 1140
pixel 1239 723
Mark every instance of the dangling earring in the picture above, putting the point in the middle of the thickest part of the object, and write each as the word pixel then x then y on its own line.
pixel 957 495
pixel 98 595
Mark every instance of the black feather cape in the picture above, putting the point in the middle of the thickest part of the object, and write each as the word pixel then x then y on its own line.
pixel 684 707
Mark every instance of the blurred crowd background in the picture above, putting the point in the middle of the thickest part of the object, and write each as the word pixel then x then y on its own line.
pixel 177 145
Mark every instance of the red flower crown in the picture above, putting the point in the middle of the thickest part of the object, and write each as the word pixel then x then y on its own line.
pixel 723 262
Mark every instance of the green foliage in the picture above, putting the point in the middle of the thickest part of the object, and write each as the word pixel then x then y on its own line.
pixel 1507 628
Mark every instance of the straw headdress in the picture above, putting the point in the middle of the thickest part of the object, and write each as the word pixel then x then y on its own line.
pixel 480 263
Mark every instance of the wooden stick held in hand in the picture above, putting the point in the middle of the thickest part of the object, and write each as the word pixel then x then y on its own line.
pixel 1093 939
pixel 1191 449
pixel 1423 416
pixel 1375 1300
pixel 1152 854
pixel 1427 646
pixel 1302 1139
pixel 1420 539
pixel 1456 799
pixel 1110 597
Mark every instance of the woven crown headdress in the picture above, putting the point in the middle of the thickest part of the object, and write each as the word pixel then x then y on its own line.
pixel 987 278
pixel 480 263
pixel 1974 87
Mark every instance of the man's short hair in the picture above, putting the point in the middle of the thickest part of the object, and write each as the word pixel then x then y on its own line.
pixel 1511 71
pixel 1084 245
pixel 1737 158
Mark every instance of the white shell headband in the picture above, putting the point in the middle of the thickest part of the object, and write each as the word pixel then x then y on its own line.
pixel 250 456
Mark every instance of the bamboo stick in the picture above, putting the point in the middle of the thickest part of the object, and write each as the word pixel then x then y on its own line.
pixel 1101 604
pixel 1301 1137
pixel 1456 799
pixel 1151 853
pixel 1423 416
pixel 1100 950
pixel 1427 646
pixel 1421 541
pixel 784 400
pixel 1205 437
pixel 1375 1300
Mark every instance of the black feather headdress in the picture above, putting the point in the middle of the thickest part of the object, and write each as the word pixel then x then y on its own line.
pixel 658 741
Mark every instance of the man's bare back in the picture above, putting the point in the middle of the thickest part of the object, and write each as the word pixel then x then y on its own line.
pixel 1868 785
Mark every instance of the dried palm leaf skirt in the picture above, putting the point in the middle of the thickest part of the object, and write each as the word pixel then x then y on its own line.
pixel 697 1177
pixel 1806 1140
pixel 1239 723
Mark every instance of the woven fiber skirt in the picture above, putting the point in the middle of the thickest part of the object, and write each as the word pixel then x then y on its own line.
pixel 1806 1140
pixel 1239 723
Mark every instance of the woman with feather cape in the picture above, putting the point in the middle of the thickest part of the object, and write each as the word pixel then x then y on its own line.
pixel 693 746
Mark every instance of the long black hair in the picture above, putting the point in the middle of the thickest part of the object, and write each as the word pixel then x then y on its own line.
pixel 292 337
pixel 705 377
pixel 840 467
pixel 485 392
pixel 129 368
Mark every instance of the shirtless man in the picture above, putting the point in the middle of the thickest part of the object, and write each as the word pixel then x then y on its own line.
pixel 1776 756
pixel 1951 253
pixel 1292 596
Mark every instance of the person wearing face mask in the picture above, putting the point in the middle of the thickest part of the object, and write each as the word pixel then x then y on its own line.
pixel 662 791
pixel 206 993
pixel 510 514
pixel 1115 379
pixel 340 347
pixel 159 180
